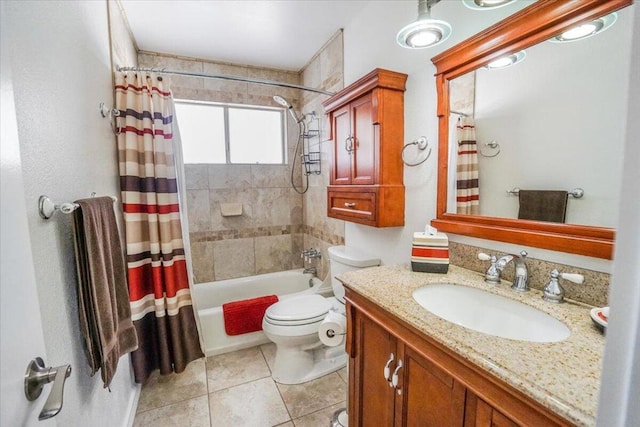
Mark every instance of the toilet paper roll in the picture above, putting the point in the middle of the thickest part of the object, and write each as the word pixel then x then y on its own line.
pixel 333 329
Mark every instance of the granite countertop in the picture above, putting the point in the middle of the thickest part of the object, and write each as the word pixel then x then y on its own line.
pixel 563 376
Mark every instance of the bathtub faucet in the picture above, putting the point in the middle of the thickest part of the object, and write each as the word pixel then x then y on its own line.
pixel 311 253
pixel 311 270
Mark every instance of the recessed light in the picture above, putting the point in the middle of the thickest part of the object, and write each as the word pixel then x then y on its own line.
pixel 586 30
pixel 507 60
pixel 486 4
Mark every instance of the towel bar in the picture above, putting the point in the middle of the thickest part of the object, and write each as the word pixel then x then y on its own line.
pixel 46 206
pixel 576 193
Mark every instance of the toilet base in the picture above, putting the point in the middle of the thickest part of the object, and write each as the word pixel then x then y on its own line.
pixel 293 366
pixel 340 418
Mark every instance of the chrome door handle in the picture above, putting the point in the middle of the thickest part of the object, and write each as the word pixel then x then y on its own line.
pixel 37 376
pixel 349 205
pixel 387 367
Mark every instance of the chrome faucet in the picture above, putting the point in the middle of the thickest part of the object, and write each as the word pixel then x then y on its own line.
pixel 307 255
pixel 493 273
pixel 521 277
pixel 311 253
pixel 311 270
pixel 554 292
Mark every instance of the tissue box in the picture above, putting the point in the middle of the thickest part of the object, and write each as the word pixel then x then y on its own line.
pixel 430 253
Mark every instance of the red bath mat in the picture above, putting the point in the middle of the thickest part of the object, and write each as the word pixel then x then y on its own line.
pixel 241 317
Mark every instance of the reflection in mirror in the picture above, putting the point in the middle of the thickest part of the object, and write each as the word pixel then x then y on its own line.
pixel 556 129
pixel 553 121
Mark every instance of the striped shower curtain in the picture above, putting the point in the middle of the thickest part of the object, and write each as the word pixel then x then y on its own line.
pixel 159 293
pixel 467 188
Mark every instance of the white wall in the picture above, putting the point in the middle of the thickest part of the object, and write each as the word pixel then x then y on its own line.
pixel 61 72
pixel 369 42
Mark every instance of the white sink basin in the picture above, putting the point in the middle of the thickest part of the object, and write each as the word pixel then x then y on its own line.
pixel 490 314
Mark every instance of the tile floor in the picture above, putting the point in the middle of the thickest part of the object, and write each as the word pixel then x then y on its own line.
pixel 236 389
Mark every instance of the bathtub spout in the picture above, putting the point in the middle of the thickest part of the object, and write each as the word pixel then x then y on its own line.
pixel 311 270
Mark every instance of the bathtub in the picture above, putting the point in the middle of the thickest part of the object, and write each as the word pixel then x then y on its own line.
pixel 209 298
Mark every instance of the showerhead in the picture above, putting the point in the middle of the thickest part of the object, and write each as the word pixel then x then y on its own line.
pixel 280 100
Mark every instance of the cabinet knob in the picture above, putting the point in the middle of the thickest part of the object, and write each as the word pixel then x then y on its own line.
pixel 387 367
pixel 349 205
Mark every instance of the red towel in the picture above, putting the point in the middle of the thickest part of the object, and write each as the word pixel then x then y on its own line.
pixel 241 317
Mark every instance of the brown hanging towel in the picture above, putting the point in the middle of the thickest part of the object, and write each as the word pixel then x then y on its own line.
pixel 103 297
pixel 543 205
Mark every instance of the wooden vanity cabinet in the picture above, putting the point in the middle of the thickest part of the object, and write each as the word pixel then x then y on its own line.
pixel 367 136
pixel 434 386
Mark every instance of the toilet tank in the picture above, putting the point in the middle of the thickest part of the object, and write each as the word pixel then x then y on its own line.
pixel 343 259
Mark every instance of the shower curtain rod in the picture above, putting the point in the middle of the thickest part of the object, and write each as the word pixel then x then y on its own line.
pixel 226 77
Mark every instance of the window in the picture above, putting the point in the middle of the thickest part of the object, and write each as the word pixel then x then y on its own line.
pixel 220 133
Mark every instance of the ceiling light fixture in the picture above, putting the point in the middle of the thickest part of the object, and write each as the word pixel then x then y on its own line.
pixel 486 4
pixel 425 31
pixel 586 30
pixel 507 60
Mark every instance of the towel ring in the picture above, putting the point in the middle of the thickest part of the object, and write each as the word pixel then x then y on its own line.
pixel 493 145
pixel 422 144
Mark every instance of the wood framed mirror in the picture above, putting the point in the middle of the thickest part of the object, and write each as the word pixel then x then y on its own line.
pixel 535 24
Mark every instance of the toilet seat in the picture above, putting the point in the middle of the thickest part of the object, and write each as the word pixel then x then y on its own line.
pixel 300 310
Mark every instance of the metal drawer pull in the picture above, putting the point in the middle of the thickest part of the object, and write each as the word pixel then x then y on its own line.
pixel 348 144
pixel 387 367
pixel 350 204
pixel 394 379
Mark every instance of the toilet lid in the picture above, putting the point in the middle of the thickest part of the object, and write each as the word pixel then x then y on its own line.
pixel 304 307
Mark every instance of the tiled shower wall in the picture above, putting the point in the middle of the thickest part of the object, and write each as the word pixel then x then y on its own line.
pixel 268 235
pixel 325 71
pixel 277 222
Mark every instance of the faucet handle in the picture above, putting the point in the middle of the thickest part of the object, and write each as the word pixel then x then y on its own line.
pixel 573 277
pixel 492 275
pixel 553 291
pixel 486 257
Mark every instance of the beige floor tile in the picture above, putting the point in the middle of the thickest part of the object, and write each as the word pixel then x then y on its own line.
pixel 287 424
pixel 238 367
pixel 188 413
pixel 254 404
pixel 320 418
pixel 269 352
pixel 344 375
pixel 162 390
pixel 303 399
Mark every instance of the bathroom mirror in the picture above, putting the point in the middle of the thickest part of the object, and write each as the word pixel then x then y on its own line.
pixel 533 25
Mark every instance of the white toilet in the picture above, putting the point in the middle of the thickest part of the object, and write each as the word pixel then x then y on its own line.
pixel 293 324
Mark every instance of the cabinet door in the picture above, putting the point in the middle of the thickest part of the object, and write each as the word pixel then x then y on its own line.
pixel 364 141
pixel 430 396
pixel 480 414
pixel 373 402
pixel 341 127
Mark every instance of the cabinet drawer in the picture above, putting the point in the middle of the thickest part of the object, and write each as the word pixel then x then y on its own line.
pixel 358 206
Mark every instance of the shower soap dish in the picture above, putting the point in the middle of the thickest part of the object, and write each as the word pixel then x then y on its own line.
pixel 231 209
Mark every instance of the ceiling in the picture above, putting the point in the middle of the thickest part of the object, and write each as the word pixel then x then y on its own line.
pixel 282 34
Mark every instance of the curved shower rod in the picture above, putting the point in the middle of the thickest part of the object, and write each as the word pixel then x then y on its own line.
pixel 226 77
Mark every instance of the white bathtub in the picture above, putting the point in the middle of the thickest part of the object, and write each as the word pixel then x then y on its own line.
pixel 209 298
